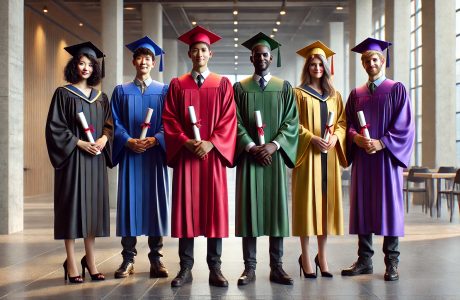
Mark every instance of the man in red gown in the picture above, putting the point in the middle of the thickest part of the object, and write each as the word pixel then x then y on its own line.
pixel 199 192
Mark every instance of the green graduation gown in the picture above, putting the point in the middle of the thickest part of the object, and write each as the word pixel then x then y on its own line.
pixel 261 192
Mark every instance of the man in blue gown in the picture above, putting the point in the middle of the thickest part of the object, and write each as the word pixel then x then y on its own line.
pixel 143 206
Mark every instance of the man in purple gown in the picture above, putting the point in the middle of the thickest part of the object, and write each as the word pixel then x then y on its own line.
pixel 376 198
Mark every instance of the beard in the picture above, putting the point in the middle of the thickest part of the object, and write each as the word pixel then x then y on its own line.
pixel 374 71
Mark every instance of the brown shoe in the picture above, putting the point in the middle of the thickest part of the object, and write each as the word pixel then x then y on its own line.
pixel 216 278
pixel 158 270
pixel 126 268
pixel 248 276
pixel 184 276
pixel 391 273
pixel 358 268
pixel 278 275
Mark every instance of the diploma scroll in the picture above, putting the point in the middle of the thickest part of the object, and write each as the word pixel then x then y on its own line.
pixel 260 127
pixel 328 131
pixel 87 129
pixel 362 122
pixel 195 126
pixel 146 125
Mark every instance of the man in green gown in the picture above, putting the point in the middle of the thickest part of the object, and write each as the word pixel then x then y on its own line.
pixel 261 189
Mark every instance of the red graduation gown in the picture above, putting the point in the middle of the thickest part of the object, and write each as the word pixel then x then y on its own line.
pixel 199 191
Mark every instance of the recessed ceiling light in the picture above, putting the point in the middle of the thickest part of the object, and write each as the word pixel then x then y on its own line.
pixel 235 30
pixel 236 45
pixel 193 23
pixel 275 29
pixel 236 56
pixel 235 22
pixel 235 12
pixel 80 24
pixel 278 23
pixel 339 7
pixel 282 12
pixel 129 8
pixel 236 39
pixel 272 35
pixel 45 9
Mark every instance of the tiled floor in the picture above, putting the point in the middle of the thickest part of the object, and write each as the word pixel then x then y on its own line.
pixel 31 265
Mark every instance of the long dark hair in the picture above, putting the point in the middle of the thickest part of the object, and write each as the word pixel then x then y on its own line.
pixel 71 74
pixel 326 82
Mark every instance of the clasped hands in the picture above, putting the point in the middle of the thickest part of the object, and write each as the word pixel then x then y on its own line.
pixel 369 145
pixel 93 148
pixel 322 145
pixel 199 148
pixel 263 154
pixel 141 145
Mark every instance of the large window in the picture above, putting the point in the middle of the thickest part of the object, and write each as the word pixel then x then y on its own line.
pixel 457 55
pixel 379 28
pixel 416 74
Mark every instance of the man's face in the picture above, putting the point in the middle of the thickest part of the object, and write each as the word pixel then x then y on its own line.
pixel 261 58
pixel 143 64
pixel 200 54
pixel 373 65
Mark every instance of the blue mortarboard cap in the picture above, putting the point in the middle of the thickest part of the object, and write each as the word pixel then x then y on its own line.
pixel 147 43
pixel 373 44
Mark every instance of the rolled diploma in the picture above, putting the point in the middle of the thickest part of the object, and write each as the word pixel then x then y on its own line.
pixel 362 123
pixel 196 130
pixel 327 134
pixel 89 135
pixel 148 117
pixel 258 118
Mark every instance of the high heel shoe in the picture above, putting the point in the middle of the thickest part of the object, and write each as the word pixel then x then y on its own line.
pixel 84 264
pixel 323 273
pixel 76 279
pixel 306 275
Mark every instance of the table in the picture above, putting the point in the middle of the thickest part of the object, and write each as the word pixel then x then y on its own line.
pixel 432 188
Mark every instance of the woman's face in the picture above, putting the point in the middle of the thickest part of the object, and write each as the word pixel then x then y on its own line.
pixel 85 67
pixel 316 68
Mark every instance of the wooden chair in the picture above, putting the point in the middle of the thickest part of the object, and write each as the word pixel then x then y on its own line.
pixel 417 188
pixel 453 191
pixel 444 185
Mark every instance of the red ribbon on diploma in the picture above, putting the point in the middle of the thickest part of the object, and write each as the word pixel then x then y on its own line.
pixel 329 128
pixel 90 128
pixel 363 128
pixel 198 123
pixel 145 124
pixel 260 130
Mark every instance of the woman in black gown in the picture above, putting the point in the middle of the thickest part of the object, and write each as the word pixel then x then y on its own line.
pixel 81 202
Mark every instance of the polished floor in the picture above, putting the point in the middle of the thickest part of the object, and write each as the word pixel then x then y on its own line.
pixel 31 265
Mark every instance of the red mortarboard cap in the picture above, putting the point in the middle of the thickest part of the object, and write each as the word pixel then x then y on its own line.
pixel 373 44
pixel 199 34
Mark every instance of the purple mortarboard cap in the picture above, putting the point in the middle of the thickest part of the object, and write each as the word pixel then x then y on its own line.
pixel 373 44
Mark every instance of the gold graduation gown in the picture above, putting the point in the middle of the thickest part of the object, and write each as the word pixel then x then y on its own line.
pixel 313 214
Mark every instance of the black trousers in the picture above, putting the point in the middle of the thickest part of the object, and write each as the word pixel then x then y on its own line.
pixel 214 252
pixel 250 251
pixel 129 248
pixel 390 249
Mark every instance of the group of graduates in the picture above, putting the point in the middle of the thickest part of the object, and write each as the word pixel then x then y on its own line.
pixel 199 125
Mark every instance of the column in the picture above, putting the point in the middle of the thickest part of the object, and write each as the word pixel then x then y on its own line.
pixel 438 83
pixel 12 116
pixel 397 31
pixel 360 29
pixel 171 59
pixel 112 45
pixel 336 43
pixel 152 25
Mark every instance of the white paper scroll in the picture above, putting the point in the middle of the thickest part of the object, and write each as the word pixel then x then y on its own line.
pixel 146 124
pixel 363 124
pixel 327 132
pixel 89 135
pixel 196 130
pixel 260 127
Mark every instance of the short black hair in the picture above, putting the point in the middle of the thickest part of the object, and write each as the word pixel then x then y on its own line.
pixel 143 51
pixel 190 47
pixel 71 70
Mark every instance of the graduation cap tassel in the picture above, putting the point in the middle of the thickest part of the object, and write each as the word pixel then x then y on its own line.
pixel 103 67
pixel 332 65
pixel 278 64
pixel 388 57
pixel 161 62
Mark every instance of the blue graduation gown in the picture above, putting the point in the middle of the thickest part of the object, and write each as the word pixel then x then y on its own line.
pixel 143 205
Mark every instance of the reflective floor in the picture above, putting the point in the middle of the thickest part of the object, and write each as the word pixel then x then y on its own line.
pixel 31 265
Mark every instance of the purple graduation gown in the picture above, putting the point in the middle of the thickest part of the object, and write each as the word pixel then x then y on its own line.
pixel 376 198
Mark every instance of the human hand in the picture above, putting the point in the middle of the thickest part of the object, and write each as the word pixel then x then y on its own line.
pixel 88 147
pixel 319 143
pixel 135 145
pixel 149 142
pixel 100 143
pixel 202 148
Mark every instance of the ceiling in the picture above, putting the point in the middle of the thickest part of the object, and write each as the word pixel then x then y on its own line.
pixel 303 22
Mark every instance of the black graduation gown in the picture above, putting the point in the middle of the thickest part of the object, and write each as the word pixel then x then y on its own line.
pixel 81 194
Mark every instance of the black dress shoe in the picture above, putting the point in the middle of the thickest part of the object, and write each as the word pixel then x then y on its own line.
pixel 248 275
pixel 158 270
pixel 126 268
pixel 184 276
pixel 216 278
pixel 391 273
pixel 278 275
pixel 358 268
